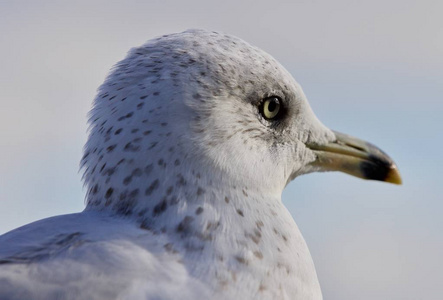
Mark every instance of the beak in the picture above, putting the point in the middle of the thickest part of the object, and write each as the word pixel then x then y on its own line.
pixel 355 157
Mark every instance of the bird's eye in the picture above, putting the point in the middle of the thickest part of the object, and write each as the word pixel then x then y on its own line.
pixel 270 108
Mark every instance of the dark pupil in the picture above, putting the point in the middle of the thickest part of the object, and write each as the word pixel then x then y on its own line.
pixel 272 105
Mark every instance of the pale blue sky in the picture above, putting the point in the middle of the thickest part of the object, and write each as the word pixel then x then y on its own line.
pixel 373 69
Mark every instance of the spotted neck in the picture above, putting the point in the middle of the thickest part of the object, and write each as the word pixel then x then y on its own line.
pixel 242 234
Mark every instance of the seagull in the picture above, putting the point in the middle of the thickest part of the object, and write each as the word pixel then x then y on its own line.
pixel 193 137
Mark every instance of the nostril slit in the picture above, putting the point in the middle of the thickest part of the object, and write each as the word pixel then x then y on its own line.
pixel 357 147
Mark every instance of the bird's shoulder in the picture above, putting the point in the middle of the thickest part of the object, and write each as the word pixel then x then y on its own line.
pixel 92 256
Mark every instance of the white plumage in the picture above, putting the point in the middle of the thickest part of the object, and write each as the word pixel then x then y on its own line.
pixel 184 174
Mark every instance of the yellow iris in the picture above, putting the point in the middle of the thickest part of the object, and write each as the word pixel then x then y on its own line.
pixel 271 107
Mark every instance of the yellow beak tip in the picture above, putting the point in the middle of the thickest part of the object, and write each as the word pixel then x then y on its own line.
pixel 394 177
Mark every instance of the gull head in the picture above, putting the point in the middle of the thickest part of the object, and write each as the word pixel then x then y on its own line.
pixel 209 106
